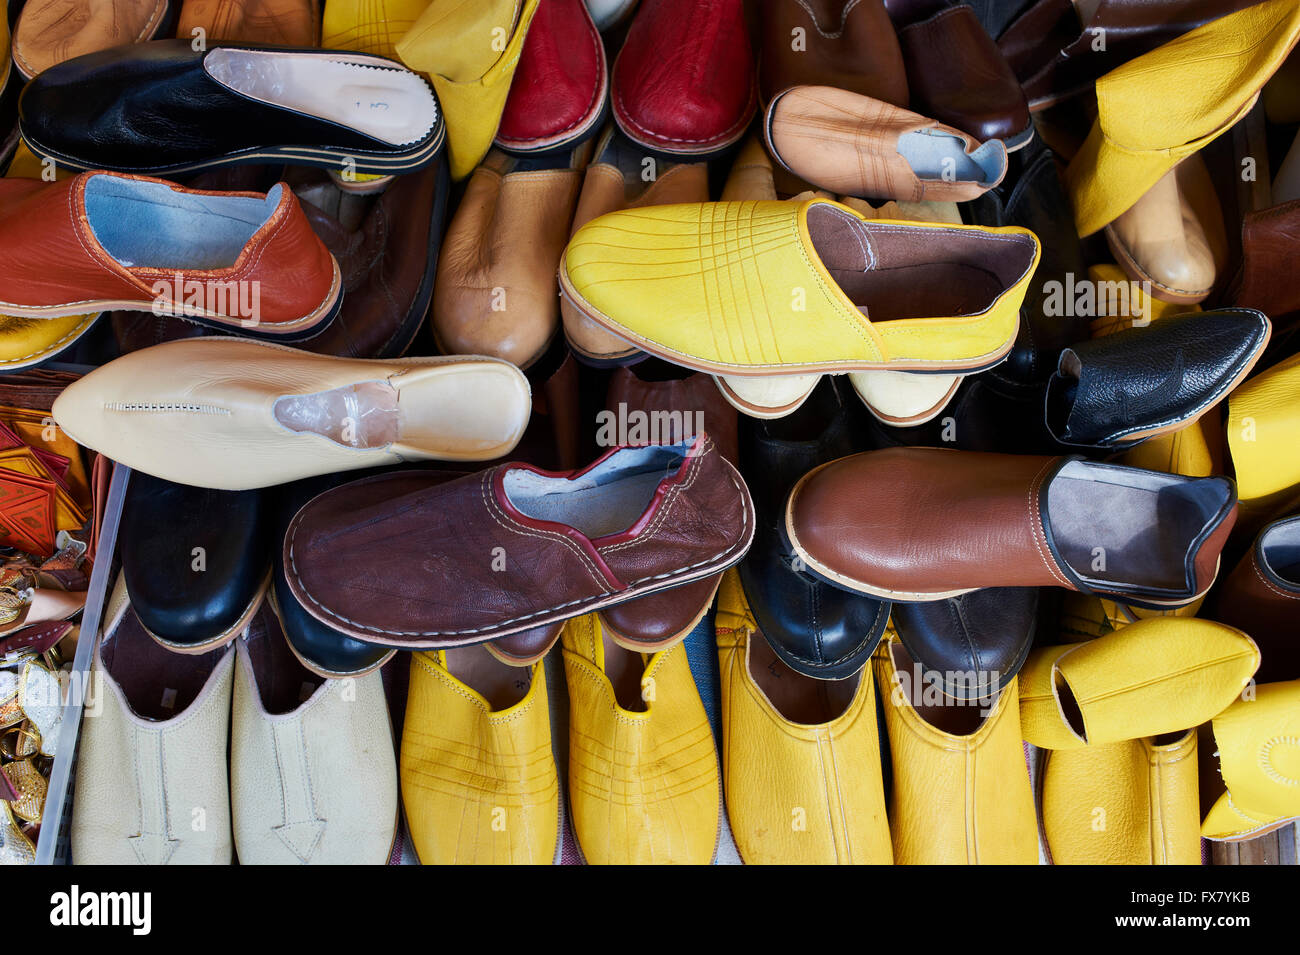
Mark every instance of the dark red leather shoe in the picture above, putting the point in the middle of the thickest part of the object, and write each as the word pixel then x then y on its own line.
pixel 558 94
pixel 956 74
pixel 684 81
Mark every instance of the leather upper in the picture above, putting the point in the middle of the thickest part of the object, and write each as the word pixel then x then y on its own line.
pixel 699 521
pixel 643 784
pixel 1013 532
pixel 495 293
pixel 153 107
pixel 684 81
pixel 62 263
pixel 561 83
pixel 1159 675
pixel 1113 391
pixel 853 145
pixel 1264 433
pixel 51 31
pixel 956 75
pixel 194 559
pixel 847 44
pixel 751 259
pixel 1268 239
pixel 479 784
pixel 961 791
pixel 144 767
pixel 140 408
pixel 1056 58
pixel 798 792
pixel 311 782
pixel 976 642
pixel 388 263
pixel 279 22
pixel 653 621
pixel 815 629
pixel 1262 598
pixel 1134 802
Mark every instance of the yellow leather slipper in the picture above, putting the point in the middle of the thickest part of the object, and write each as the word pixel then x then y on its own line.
pixel 1259 757
pixel 800 757
pixel 780 288
pixel 1134 802
pixel 469 51
pixel 369 26
pixel 1158 109
pixel 479 781
pixel 1264 433
pixel 1159 675
pixel 643 769
pixel 961 791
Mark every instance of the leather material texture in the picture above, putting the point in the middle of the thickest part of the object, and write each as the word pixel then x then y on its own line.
pixel 674 409
pixel 273 22
pixel 815 629
pixel 1268 239
pixel 1134 802
pixel 313 781
pixel 1259 759
pixel 846 44
pixel 908 548
pixel 1130 147
pixel 560 87
pixel 684 83
pixel 51 31
pixel 388 261
pixel 798 792
pixel 479 783
pixel 644 785
pixel 495 292
pixel 527 646
pixel 956 75
pixel 195 560
pixel 151 758
pixel 960 792
pixel 368 26
pixel 1264 433
pixel 1056 57
pixel 774 308
pixel 140 408
pixel 321 649
pixel 1117 390
pixel 159 108
pixel 975 643
pixel 698 522
pixel 853 145
pixel 63 269
pixel 1164 238
pixel 1262 598
pixel 605 188
pixel 1159 675
pixel 470 52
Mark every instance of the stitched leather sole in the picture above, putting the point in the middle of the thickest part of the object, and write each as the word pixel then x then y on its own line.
pixel 226 636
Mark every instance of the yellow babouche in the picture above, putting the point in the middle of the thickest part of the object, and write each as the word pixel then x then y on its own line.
pixel 797 792
pixel 479 781
pixel 643 782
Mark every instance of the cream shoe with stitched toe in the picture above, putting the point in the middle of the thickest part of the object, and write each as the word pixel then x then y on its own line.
pixel 235 414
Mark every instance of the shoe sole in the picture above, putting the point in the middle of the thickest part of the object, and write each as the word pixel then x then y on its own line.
pixel 819 571
pixel 292 155
pixel 1159 290
pixel 226 636
pixel 976 365
pixel 298 329
pixel 52 350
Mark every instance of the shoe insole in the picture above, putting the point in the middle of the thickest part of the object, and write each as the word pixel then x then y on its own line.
pixel 799 698
pixel 158 683
pixel 499 683
pixel 936 155
pixel 605 500
pixel 625 670
pixel 384 102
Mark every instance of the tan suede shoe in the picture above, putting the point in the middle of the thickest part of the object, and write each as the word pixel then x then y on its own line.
pixel 272 22
pixel 496 292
